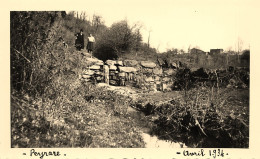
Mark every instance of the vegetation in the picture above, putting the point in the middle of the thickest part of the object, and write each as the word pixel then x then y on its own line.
pixel 51 107
pixel 204 118
pixel 200 117
pixel 202 60
pixel 208 110
pixel 49 104
pixel 72 119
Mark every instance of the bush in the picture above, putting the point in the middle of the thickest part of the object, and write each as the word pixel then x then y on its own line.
pixel 120 38
pixel 203 118
pixel 34 36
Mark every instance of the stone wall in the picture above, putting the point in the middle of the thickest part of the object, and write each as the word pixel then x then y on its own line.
pixel 142 74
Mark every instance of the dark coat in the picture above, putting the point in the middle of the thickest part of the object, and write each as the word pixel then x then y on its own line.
pixel 79 41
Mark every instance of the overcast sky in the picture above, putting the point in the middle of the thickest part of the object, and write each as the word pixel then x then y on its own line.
pixel 179 24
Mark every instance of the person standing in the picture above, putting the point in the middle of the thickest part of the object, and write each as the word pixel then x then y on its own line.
pixel 79 42
pixel 90 44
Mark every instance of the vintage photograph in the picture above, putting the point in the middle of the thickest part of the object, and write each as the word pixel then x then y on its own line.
pixel 174 76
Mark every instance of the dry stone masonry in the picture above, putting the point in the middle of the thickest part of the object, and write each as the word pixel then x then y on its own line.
pixel 146 75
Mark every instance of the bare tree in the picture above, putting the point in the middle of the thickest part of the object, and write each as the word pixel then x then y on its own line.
pixel 83 16
pixel 228 51
pixel 148 42
pixel 239 48
pixel 189 49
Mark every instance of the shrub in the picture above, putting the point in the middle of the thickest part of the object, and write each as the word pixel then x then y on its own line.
pixel 118 39
pixel 203 118
pixel 34 36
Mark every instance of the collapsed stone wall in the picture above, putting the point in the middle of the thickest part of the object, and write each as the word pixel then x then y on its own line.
pixel 151 76
pixel 146 75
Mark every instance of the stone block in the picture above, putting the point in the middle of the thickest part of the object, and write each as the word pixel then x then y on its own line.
pixel 94 67
pixel 166 79
pixel 170 72
pixel 127 69
pixel 112 67
pixel 122 82
pixel 166 87
pixel 158 82
pixel 106 68
pixel 121 74
pixel 149 79
pixel 148 64
pixel 158 71
pixel 157 78
pixel 88 72
pixel 110 62
pixel 86 76
pixel 87 80
pixel 99 78
pixel 111 73
pixel 147 71
pixel 130 63
pixel 113 82
pixel 119 63
pixel 99 73
pixel 94 61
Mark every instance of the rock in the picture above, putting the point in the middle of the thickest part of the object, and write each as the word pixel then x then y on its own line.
pixel 157 71
pixel 100 63
pixel 119 63
pixel 88 72
pixel 148 64
pixel 106 74
pixel 94 61
pixel 113 77
pixel 112 73
pixel 122 82
pixel 149 79
pixel 102 85
pixel 130 63
pixel 86 76
pixel 121 74
pixel 87 80
pixel 175 64
pixel 170 72
pixel 147 71
pixel 157 78
pixel 127 69
pixel 112 67
pixel 113 82
pixel 94 67
pixel 161 62
pixel 99 73
pixel 110 62
pixel 167 86
pixel 158 82
pixel 99 78
pixel 166 79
